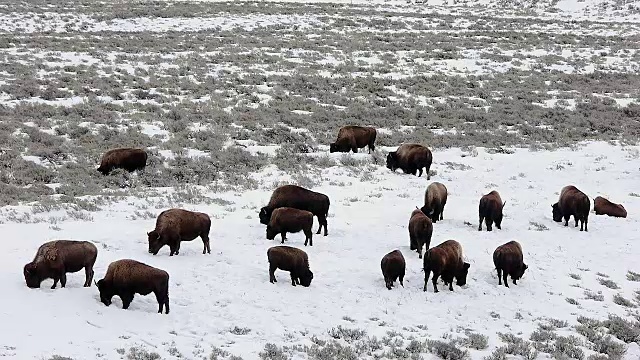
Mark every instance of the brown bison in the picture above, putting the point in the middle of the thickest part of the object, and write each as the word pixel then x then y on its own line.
pixel 299 198
pixel 286 219
pixel 508 261
pixel 435 198
pixel 129 159
pixel 290 259
pixel 354 137
pixel 393 267
pixel 572 202
pixel 603 206
pixel 420 231
pixel 176 225
pixel 55 259
pixel 490 210
pixel 126 277
pixel 410 158
pixel 445 260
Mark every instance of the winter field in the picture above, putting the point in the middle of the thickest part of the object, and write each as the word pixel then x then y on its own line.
pixel 234 99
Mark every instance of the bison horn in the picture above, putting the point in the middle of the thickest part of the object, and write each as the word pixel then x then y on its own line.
pixel 95 282
pixel 504 203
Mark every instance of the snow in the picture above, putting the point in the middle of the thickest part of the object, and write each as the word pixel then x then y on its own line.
pixel 211 294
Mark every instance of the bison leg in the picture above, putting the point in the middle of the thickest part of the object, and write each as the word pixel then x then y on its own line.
pixel 372 147
pixel 308 237
pixel 163 300
pixel 323 222
pixel 499 276
pixel 576 219
pixel 489 223
pixel 419 250
pixel 401 280
pixel 435 282
pixel 412 243
pixel 480 226
pixel 272 276
pixel 55 283
pixel 427 171
pixel 420 172
pixel 63 279
pixel 566 220
pixel 88 271
pixel 514 281
pixel 426 279
pixel 284 236
pixel 586 220
pixel 451 285
pixel 387 282
pixel 126 300
pixel 504 279
pixel 441 212
pixel 293 279
pixel 206 243
pixel 355 150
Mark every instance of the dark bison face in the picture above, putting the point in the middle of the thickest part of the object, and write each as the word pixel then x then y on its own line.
pixel 557 215
pixel 333 147
pixel 305 279
pixel 264 215
pixel 392 161
pixel 155 244
pixel 104 170
pixel 31 276
pixel 461 277
pixel 429 212
pixel 106 293
pixel 520 273
pixel 271 234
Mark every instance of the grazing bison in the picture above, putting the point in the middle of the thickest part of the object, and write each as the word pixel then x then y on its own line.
pixel 410 158
pixel 290 259
pixel 129 159
pixel 445 260
pixel 54 259
pixel 286 219
pixel 176 225
pixel 435 198
pixel 126 277
pixel 572 202
pixel 393 267
pixel 420 231
pixel 603 206
pixel 508 261
pixel 354 137
pixel 299 198
pixel 490 210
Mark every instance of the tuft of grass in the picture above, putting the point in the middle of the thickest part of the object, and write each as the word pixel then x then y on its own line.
pixel 240 331
pixel 575 276
pixel 447 350
pixel 572 301
pixel 476 341
pixel 590 295
pixel 517 346
pixel 346 333
pixel 609 283
pixel 139 353
pixel 537 226
pixel 622 301
pixel 633 276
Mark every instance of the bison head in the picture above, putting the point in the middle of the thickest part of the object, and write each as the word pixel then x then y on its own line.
pixel 333 147
pixel 155 243
pixel 31 276
pixel 557 214
pixel 518 275
pixel 392 161
pixel 461 276
pixel 103 169
pixel 429 212
pixel 341 145
pixel 305 278
pixel 106 292
pixel 265 215
pixel 271 233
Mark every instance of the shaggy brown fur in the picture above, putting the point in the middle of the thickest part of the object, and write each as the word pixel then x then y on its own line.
pixel 354 137
pixel 286 219
pixel 435 198
pixel 129 159
pixel 572 202
pixel 56 258
pixel 490 210
pixel 299 198
pixel 410 158
pixel 176 225
pixel 393 267
pixel 290 259
pixel 603 206
pixel 445 260
pixel 420 231
pixel 508 261
pixel 126 277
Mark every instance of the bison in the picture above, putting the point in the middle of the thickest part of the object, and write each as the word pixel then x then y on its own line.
pixel 129 159
pixel 572 202
pixel 127 277
pixel 299 198
pixel 490 210
pixel 420 231
pixel 290 259
pixel 393 267
pixel 445 260
pixel 354 137
pixel 410 158
pixel 508 261
pixel 603 206
pixel 435 198
pixel 176 225
pixel 55 259
pixel 286 219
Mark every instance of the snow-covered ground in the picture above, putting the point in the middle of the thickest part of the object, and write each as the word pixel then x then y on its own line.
pixel 213 294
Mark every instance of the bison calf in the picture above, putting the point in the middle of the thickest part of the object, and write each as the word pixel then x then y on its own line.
pixel 435 198
pixel 286 219
pixel 603 206
pixel 420 231
pixel 508 261
pixel 393 267
pixel 354 137
pixel 129 159
pixel 290 259
pixel 490 210
pixel 176 225
pixel 410 158
pixel 572 202
pixel 445 260
pixel 55 259
pixel 299 198
pixel 126 277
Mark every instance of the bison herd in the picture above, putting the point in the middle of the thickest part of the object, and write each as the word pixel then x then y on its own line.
pixel 291 209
